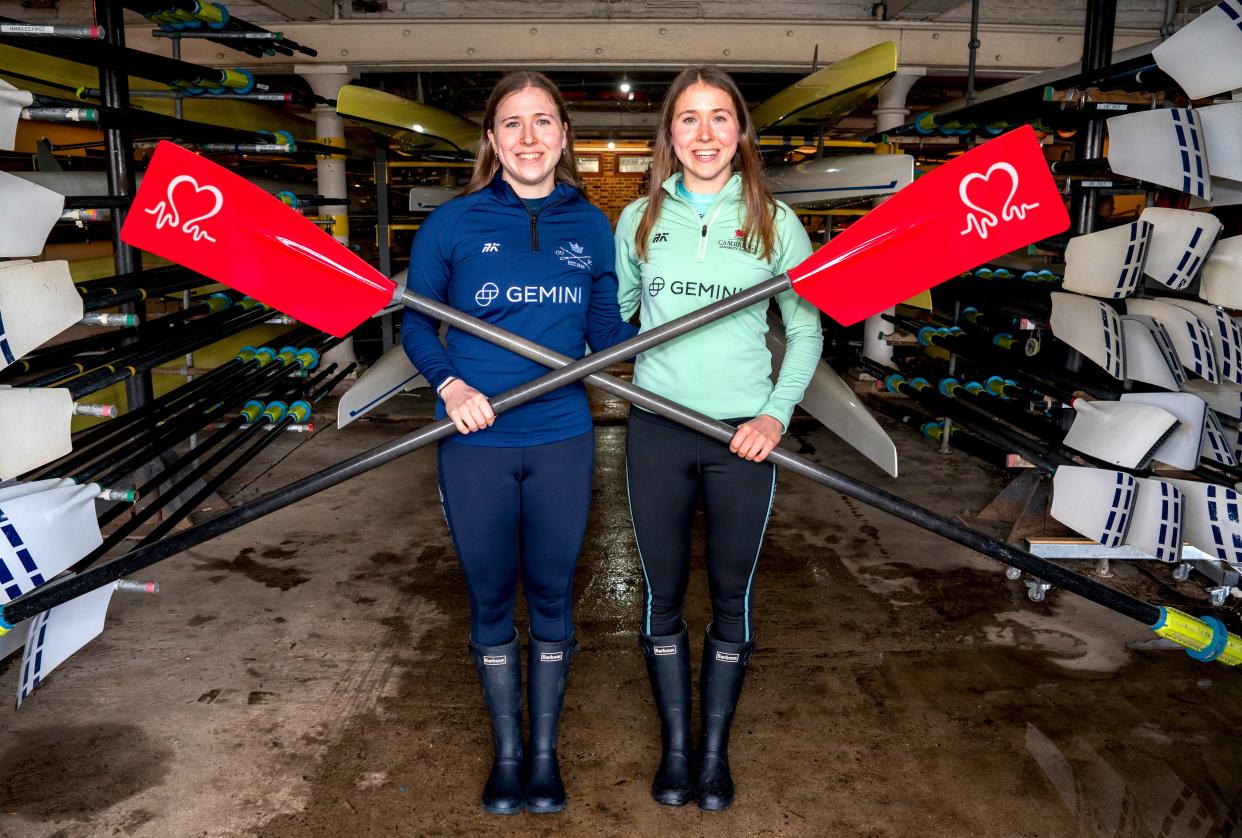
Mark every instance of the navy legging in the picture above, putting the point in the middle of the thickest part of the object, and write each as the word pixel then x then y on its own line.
pixel 511 509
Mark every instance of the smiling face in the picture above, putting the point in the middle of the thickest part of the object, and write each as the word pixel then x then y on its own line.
pixel 528 139
pixel 704 133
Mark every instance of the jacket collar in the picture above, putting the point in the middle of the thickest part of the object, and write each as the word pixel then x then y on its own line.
pixel 732 187
pixel 504 193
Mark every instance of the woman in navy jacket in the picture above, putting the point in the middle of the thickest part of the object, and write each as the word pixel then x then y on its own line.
pixel 522 249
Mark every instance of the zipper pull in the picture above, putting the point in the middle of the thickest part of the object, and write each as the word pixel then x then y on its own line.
pixel 704 233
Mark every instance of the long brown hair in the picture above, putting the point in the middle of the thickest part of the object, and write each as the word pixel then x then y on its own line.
pixel 759 223
pixel 485 162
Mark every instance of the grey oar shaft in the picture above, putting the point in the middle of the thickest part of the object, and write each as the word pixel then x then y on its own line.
pixel 872 496
pixel 67 588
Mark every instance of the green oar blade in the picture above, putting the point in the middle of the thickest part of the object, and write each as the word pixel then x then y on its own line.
pixel 1094 502
pixel 416 127
pixel 27 215
pixel 391 374
pixel 1162 146
pixel 1109 263
pixel 1205 55
pixel 1220 283
pixel 1121 433
pixel 1092 328
pixel 1180 243
pixel 838 408
pixel 37 302
pixel 36 428
pixel 828 94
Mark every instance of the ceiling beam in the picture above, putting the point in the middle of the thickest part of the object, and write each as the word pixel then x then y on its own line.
pixel 650 44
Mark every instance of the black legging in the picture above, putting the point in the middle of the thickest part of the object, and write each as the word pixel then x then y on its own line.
pixel 667 468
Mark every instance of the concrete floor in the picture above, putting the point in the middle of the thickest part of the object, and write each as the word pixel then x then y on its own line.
pixel 307 676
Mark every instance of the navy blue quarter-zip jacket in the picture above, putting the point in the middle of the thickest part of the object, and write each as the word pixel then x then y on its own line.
pixel 547 276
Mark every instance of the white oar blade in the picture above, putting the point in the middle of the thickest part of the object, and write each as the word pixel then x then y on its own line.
pixel 391 374
pixel 36 425
pixel 1094 502
pixel 427 198
pixel 1205 55
pixel 1225 193
pixel 1222 126
pixel 12 101
pixel 1121 433
pixel 838 408
pixel 1150 356
pixel 835 180
pixel 1224 398
pixel 27 214
pixel 58 632
pixel 1180 243
pixel 1190 335
pixel 1092 328
pixel 1162 146
pixel 17 489
pixel 37 302
pixel 1226 337
pixel 42 534
pixel 1221 281
pixel 1181 447
pixel 1210 519
pixel 1109 263
pixel 11 642
pixel 1156 520
pixel 1216 445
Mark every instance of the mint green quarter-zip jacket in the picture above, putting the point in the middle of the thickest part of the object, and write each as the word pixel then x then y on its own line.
pixel 723 369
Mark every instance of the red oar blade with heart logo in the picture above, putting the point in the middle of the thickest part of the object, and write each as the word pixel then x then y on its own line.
pixel 203 216
pixel 990 201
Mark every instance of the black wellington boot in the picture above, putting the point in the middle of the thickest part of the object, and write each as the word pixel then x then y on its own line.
pixel 724 668
pixel 668 667
pixel 547 669
pixel 500 673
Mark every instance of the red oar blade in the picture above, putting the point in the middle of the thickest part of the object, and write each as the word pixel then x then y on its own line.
pixel 990 201
pixel 201 215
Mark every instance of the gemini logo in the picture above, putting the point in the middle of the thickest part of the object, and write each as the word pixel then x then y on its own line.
pixel 655 285
pixel 491 247
pixel 660 238
pixel 485 295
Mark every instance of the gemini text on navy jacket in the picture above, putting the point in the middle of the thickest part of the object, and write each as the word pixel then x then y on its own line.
pixel 546 276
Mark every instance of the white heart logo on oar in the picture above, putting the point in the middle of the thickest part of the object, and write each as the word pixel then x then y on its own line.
pixel 166 214
pixel 986 218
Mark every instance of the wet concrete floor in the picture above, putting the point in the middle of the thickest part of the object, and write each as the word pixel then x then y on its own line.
pixel 307 676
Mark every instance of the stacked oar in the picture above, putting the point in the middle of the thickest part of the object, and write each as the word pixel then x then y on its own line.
pixel 336 291
pixel 49 525
pixel 1161 357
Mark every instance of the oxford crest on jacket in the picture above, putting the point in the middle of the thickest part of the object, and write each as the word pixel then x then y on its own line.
pixel 572 253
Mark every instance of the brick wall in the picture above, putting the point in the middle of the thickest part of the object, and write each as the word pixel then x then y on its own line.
pixel 609 191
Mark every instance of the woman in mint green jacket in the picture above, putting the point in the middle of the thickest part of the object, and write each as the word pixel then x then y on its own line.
pixel 708 228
